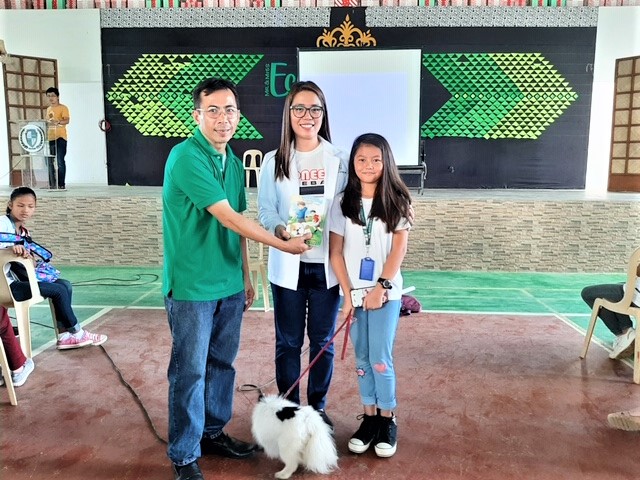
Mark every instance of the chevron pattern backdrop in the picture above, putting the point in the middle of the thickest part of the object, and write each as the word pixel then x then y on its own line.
pixel 154 95
pixel 496 95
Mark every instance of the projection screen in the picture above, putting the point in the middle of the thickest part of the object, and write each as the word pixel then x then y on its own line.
pixel 369 91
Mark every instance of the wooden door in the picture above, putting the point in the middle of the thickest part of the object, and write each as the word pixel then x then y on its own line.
pixel 624 166
pixel 25 81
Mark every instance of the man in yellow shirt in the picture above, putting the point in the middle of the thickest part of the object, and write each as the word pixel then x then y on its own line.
pixel 58 118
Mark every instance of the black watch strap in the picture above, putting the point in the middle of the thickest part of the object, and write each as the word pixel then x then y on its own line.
pixel 386 284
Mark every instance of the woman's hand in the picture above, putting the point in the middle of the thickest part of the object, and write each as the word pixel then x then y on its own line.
pixel 281 232
pixel 412 216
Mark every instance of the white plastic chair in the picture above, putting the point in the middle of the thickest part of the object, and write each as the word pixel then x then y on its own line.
pixel 6 373
pixel 252 159
pixel 623 306
pixel 21 308
pixel 258 271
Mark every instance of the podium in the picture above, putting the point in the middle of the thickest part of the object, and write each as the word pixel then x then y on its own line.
pixel 37 165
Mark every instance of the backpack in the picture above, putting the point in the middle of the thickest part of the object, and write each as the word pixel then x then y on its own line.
pixel 409 305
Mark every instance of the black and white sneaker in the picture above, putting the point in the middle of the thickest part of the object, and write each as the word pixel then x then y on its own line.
pixel 387 441
pixel 365 435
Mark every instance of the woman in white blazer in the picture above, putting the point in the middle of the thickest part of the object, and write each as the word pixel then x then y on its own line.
pixel 305 289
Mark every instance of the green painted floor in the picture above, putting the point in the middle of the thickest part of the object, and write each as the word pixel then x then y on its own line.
pixel 99 289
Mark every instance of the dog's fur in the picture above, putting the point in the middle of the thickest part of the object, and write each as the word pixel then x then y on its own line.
pixel 294 434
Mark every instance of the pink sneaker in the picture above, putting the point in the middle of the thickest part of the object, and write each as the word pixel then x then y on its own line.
pixel 96 338
pixel 68 341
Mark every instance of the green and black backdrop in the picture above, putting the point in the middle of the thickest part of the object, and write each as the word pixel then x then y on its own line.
pixel 505 103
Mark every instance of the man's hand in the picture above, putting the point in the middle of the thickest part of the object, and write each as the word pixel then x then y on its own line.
pixel 249 293
pixel 297 245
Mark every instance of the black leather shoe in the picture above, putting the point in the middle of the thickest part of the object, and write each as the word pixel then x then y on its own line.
pixel 326 419
pixel 190 471
pixel 226 446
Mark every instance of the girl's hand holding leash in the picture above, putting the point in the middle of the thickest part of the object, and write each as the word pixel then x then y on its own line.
pixel 347 306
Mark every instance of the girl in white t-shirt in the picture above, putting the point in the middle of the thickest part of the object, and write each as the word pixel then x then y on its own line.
pixel 368 241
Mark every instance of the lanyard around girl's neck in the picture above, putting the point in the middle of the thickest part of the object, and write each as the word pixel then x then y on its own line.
pixel 366 228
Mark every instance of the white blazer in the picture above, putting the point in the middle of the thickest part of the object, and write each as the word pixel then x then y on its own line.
pixel 274 198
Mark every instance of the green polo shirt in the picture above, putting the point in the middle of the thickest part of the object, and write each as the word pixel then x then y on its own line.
pixel 202 258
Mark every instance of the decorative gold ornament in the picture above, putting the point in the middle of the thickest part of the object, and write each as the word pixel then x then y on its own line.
pixel 346 35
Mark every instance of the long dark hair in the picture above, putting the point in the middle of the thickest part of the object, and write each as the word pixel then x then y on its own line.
pixel 19 192
pixel 283 154
pixel 391 199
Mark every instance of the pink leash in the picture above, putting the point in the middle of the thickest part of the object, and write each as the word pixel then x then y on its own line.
pixel 347 322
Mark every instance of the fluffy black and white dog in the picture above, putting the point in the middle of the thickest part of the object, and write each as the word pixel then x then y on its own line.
pixel 294 434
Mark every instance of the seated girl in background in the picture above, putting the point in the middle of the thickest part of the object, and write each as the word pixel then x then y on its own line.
pixel 22 205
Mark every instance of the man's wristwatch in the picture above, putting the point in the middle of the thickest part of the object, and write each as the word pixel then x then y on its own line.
pixel 386 284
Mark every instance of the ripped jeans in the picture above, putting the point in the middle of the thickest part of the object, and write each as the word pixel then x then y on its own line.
pixel 373 333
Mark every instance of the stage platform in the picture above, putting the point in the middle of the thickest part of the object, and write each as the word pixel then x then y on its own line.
pixel 461 230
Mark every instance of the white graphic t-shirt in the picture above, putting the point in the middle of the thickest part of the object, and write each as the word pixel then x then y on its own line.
pixel 311 173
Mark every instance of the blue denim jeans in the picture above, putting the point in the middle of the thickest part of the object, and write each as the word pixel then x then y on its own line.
pixel 205 340
pixel 373 333
pixel 316 307
pixel 60 294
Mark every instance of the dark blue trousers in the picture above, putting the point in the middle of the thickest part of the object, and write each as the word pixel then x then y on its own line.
pixel 315 307
pixel 60 294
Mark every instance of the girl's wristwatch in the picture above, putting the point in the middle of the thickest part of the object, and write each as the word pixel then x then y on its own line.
pixel 386 284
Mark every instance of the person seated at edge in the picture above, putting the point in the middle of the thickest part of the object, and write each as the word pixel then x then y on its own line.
pixel 619 324
pixel 628 420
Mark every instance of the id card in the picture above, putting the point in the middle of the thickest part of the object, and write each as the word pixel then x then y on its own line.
pixel 367 265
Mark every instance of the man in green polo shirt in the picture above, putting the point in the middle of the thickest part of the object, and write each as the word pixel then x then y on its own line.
pixel 206 278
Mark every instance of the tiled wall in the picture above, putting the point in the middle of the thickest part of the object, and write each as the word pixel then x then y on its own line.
pixel 101 230
pixel 450 234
